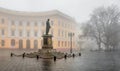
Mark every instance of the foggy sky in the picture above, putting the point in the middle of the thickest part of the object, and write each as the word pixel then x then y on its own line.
pixel 78 9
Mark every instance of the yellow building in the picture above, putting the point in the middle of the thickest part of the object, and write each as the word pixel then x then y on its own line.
pixel 24 30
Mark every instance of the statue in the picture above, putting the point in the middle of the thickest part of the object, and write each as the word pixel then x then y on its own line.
pixel 47 27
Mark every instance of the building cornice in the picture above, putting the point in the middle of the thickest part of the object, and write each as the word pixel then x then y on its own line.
pixel 35 14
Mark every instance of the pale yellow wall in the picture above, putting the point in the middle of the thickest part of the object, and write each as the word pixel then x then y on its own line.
pixel 55 28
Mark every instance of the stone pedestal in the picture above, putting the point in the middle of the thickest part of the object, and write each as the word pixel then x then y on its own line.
pixel 47 42
pixel 47 51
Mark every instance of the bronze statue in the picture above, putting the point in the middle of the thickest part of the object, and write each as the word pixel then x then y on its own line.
pixel 47 26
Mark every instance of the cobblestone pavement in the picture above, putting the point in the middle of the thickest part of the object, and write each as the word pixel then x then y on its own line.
pixel 89 61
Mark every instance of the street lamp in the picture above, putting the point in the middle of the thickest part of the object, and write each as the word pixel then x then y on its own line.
pixel 71 35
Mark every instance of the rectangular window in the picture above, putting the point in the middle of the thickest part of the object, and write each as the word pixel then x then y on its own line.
pixel 28 34
pixel 2 20
pixel 28 24
pixel 36 24
pixel 58 23
pixel 35 33
pixel 20 23
pixel 52 23
pixel 20 33
pixel 13 23
pixel 62 33
pixel 58 32
pixel 3 32
pixel 43 24
pixel 58 43
pixel 13 33
pixel 52 32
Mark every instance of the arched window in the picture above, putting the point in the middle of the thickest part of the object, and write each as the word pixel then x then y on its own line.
pixel 28 44
pixel 12 42
pixel 65 44
pixel 35 44
pixel 62 43
pixel 58 43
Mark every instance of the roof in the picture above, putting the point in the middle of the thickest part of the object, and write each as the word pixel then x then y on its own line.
pixel 24 13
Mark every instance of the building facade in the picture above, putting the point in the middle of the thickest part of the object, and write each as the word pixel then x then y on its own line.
pixel 24 30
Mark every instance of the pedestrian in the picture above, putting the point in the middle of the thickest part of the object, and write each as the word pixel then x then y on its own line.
pixel 54 58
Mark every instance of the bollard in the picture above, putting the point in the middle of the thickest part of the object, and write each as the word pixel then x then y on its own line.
pixel 37 57
pixel 65 56
pixel 79 54
pixel 11 54
pixel 54 58
pixel 73 55
pixel 23 55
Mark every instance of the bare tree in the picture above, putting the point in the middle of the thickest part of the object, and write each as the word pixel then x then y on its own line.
pixel 104 26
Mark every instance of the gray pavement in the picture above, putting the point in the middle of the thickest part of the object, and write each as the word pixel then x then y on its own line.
pixel 89 61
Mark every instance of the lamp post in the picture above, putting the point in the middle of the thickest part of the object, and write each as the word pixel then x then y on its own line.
pixel 71 35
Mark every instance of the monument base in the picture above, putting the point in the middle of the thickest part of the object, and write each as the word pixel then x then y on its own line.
pixel 47 42
pixel 46 50
pixel 46 54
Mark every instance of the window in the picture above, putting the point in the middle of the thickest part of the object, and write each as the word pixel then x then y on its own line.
pixel 68 43
pixel 65 34
pixel 28 33
pixel 20 23
pixel 58 43
pixel 36 24
pixel 65 25
pixel 65 43
pixel 58 32
pixel 58 23
pixel 20 33
pixel 35 33
pixel 42 32
pixel 2 42
pixel 12 42
pixel 13 23
pixel 52 23
pixel 42 23
pixel 2 20
pixel 28 24
pixel 62 33
pixel 52 32
pixel 13 32
pixel 3 32
pixel 62 43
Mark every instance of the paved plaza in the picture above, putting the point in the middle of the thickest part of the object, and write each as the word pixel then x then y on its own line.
pixel 89 61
